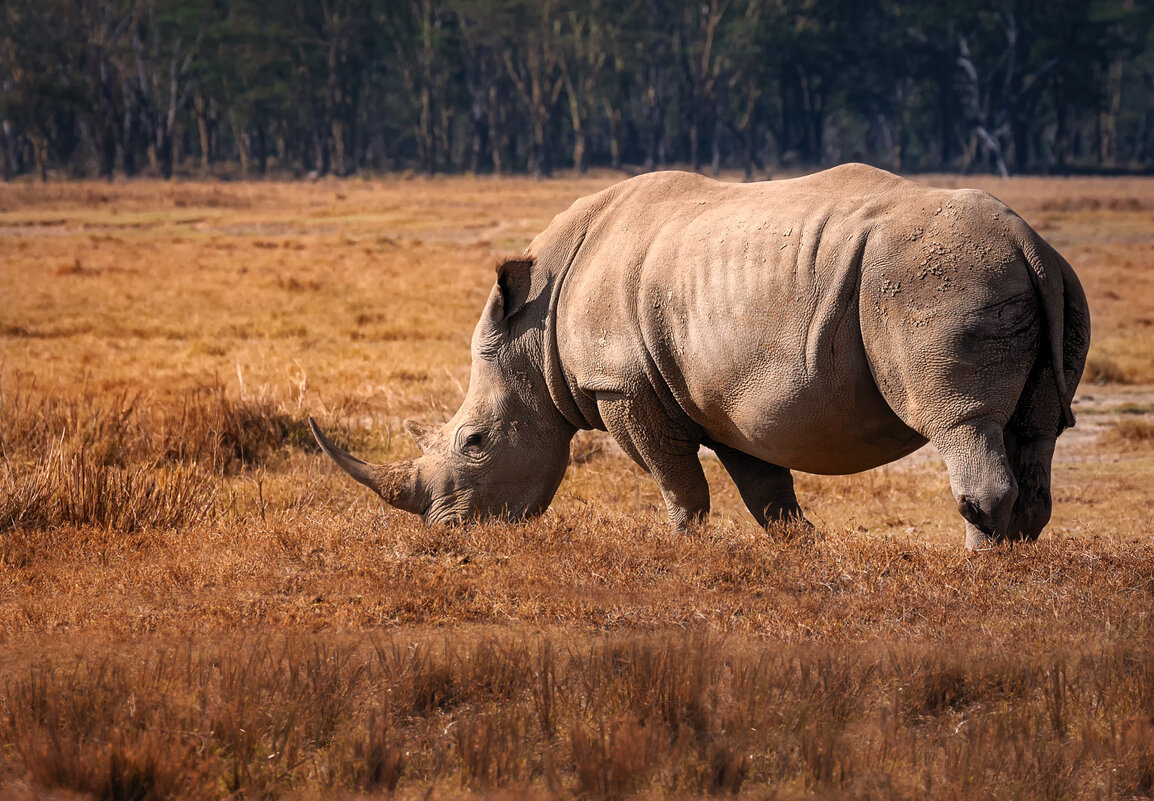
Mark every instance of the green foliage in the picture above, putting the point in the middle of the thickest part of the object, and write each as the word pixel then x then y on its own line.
pixel 217 86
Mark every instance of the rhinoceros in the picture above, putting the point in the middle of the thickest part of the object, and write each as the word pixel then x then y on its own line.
pixel 827 324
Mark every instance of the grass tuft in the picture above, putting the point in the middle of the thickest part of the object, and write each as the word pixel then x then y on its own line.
pixel 70 486
pixel 1104 370
pixel 204 427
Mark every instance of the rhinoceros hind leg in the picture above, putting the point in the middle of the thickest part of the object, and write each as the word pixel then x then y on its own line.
pixel 981 479
pixel 766 488
pixel 1030 461
pixel 1030 439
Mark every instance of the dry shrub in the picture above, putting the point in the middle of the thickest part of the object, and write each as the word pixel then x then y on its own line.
pixel 615 759
pixel 378 759
pixel 121 463
pixel 134 767
pixel 431 679
pixel 1104 370
pixel 1135 754
pixel 271 704
pixel 665 682
pixel 727 766
pixel 1130 432
pixel 232 434
pixel 491 747
pixel 104 731
pixel 70 486
pixel 204 427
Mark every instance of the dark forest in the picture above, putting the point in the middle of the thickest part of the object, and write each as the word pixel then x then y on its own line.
pixel 249 88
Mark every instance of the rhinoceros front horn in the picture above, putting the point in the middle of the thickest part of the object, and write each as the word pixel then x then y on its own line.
pixel 397 482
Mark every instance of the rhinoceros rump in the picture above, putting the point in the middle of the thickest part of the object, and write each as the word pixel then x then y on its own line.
pixel 828 324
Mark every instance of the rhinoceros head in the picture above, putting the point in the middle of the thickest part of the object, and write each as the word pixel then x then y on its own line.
pixel 505 450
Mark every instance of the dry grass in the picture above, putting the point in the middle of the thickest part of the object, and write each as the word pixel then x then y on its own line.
pixel 193 604
pixel 590 716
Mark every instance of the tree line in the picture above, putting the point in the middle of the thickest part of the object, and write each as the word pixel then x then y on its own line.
pixel 299 87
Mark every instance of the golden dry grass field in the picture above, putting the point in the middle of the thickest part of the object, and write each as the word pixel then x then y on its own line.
pixel 195 604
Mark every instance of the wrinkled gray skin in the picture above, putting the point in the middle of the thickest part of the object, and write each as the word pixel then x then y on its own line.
pixel 829 324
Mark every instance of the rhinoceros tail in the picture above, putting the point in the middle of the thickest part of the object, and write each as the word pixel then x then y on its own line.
pixel 1067 320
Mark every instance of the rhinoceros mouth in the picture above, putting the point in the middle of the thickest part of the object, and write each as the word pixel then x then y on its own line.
pixel 445 515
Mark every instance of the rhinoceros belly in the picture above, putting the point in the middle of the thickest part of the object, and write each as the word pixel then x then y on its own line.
pixel 764 399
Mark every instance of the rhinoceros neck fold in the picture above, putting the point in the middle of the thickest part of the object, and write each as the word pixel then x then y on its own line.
pixel 552 369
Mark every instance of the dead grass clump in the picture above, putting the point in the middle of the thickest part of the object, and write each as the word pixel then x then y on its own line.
pixel 138 766
pixel 614 759
pixel 378 758
pixel 71 486
pixel 438 679
pixel 230 434
pixel 1104 370
pixel 102 732
pixel 1130 432
pixel 204 427
pixel 492 748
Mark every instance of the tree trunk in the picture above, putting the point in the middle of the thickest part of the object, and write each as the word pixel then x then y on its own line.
pixel 426 135
pixel 579 148
pixel 7 150
pixel 479 133
pixel 654 133
pixel 613 116
pixel 261 150
pixel 106 131
pixel 497 131
pixel 241 140
pixel 1108 116
pixel 577 116
pixel 320 154
pixel 540 126
pixel 201 106
pixel 40 151
pixel 813 103
pixel 128 146
pixel 718 124
pixel 282 149
pixel 695 142
pixel 338 136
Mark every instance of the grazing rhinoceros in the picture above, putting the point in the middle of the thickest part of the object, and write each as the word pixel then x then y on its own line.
pixel 828 324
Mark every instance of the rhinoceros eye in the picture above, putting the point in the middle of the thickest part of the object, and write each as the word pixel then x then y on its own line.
pixel 474 441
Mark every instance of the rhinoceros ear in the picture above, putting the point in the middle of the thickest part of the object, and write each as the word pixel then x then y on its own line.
pixel 513 280
pixel 423 433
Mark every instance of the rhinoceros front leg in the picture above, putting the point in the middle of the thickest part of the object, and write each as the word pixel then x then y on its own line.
pixel 667 450
pixel 766 488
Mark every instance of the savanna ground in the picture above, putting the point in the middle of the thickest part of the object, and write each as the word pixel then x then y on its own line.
pixel 194 603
